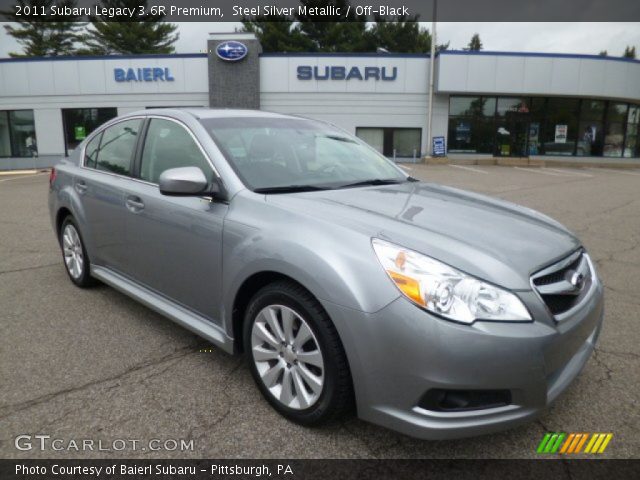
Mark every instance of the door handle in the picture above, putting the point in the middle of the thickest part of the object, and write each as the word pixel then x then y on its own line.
pixel 134 203
pixel 80 187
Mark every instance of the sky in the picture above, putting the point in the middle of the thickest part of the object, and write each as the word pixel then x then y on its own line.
pixel 553 37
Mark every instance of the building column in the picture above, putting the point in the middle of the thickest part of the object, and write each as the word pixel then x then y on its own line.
pixel 234 83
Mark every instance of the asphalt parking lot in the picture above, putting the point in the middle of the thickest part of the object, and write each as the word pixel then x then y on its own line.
pixel 93 364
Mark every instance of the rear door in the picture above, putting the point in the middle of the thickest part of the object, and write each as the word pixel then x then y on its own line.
pixel 108 162
pixel 174 243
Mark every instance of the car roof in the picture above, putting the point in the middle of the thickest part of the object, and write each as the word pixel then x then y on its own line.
pixel 203 112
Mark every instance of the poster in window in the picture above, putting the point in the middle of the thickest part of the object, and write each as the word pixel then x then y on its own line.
pixel 534 137
pixel 463 132
pixel 561 134
pixel 80 133
pixel 589 135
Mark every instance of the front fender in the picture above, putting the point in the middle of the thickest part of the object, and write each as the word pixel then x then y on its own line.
pixel 344 272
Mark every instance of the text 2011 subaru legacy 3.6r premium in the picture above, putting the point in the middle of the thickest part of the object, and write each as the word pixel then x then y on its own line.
pixel 436 312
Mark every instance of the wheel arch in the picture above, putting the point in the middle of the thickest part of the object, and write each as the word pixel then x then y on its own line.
pixel 246 291
pixel 61 214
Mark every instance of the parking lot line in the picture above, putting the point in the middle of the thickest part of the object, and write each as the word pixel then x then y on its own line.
pixel 469 168
pixel 621 171
pixel 570 172
pixel 541 171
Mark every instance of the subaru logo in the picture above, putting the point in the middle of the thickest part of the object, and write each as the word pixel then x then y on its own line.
pixel 232 51
pixel 577 279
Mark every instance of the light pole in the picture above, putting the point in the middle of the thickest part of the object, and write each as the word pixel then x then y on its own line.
pixel 432 61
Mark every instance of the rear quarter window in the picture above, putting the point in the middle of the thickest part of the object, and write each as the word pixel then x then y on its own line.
pixel 91 151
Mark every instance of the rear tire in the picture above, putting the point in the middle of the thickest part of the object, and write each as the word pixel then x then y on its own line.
pixel 295 355
pixel 74 254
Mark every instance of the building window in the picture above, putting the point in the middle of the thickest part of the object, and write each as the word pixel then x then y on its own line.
pixel 560 132
pixel 522 126
pixel 471 124
pixel 631 145
pixel 590 128
pixel 512 127
pixel 393 142
pixel 17 134
pixel 373 136
pixel 80 122
pixel 5 138
pixel 537 115
pixel 614 129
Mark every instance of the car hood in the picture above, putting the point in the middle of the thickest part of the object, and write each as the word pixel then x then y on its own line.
pixel 489 238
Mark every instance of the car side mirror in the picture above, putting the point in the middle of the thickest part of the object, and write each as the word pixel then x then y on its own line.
pixel 183 181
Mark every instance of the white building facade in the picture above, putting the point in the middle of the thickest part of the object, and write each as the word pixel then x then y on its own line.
pixel 485 104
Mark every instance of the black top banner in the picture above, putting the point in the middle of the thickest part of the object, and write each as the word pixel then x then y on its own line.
pixel 334 10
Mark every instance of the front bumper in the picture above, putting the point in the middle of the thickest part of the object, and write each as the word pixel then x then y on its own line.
pixel 400 352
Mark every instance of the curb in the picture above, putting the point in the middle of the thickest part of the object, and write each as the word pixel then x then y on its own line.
pixel 525 162
pixel 18 172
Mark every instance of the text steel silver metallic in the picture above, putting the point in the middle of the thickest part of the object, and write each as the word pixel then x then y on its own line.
pixel 433 311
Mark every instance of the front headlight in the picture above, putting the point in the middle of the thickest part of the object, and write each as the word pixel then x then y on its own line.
pixel 446 291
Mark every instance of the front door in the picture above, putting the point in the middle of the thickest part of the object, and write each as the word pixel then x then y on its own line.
pixel 512 128
pixel 175 243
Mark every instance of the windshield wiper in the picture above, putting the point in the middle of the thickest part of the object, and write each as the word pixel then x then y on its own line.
pixel 374 181
pixel 290 189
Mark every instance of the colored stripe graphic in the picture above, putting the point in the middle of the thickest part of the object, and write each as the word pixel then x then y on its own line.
pixel 551 442
pixel 543 443
pixel 594 437
pixel 584 439
pixel 598 443
pixel 605 442
pixel 572 443
pixel 556 446
pixel 567 443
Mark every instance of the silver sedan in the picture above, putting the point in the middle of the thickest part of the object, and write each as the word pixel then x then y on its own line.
pixel 348 284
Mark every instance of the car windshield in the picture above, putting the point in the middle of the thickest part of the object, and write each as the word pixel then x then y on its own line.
pixel 279 155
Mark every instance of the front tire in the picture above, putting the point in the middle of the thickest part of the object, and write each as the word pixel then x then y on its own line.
pixel 295 355
pixel 74 254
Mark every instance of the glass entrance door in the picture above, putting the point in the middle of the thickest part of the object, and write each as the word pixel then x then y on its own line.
pixel 512 127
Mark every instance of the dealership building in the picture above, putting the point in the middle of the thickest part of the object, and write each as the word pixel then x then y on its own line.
pixel 555 107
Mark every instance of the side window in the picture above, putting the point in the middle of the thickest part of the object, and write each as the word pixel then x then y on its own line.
pixel 169 145
pixel 117 147
pixel 91 152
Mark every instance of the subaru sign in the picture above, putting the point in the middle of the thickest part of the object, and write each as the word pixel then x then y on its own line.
pixel 338 72
pixel 232 51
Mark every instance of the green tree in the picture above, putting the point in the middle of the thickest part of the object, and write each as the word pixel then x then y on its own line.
pixel 603 53
pixel 44 38
pixel 277 34
pixel 336 33
pixel 475 44
pixel 629 52
pixel 403 36
pixel 145 33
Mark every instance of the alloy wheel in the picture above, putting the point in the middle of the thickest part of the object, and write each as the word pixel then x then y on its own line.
pixel 72 248
pixel 287 357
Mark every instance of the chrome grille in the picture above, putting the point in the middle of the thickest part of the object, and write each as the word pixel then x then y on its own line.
pixel 564 284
